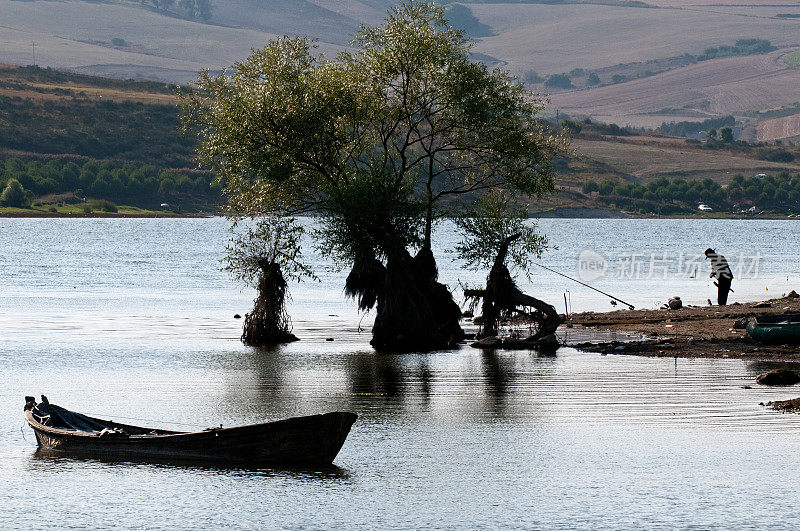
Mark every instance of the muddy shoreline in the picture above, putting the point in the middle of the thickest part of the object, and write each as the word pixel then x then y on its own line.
pixel 690 332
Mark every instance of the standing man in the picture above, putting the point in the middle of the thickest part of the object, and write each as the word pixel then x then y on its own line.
pixel 722 272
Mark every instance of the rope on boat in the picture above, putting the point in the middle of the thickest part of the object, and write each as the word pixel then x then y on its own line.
pixel 104 416
pixel 629 305
pixel 22 431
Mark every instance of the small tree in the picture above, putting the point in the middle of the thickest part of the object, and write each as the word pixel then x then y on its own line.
pixel 14 195
pixel 590 186
pixel 574 128
pixel 495 234
pixel 532 76
pixel 264 256
pixel 593 79
pixel 726 134
pixel 558 81
pixel 204 9
pixel 606 188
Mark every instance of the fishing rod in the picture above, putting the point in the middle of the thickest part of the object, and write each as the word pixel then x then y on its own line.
pixel 629 305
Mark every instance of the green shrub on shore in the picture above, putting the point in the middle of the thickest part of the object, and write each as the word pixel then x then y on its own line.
pixel 104 205
pixel 14 195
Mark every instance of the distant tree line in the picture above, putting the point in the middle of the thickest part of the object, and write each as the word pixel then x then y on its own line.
pixel 780 192
pixel 128 183
pixel 565 80
pixel 688 129
pixel 742 47
pixel 195 9
pixel 587 125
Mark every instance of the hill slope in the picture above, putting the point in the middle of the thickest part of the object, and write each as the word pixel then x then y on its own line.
pixel 65 136
pixel 125 38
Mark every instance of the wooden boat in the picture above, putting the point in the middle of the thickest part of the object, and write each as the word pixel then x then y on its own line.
pixel 302 441
pixel 775 329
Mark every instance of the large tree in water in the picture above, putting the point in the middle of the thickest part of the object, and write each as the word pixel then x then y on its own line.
pixel 375 142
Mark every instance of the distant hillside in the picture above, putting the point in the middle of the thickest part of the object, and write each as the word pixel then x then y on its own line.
pixel 79 143
pixel 46 111
pixel 69 137
pixel 736 85
pixel 636 46
pixel 628 164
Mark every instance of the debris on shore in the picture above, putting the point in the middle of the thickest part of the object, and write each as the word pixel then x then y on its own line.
pixel 787 406
pixel 690 331
pixel 675 303
pixel 548 342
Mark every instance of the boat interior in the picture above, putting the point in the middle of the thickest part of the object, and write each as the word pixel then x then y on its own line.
pixel 54 416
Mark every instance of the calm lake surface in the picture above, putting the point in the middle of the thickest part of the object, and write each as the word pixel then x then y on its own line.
pixel 131 319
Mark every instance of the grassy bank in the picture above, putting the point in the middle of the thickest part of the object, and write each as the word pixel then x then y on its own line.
pixel 79 211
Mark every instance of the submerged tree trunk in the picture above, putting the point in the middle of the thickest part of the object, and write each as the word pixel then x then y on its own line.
pixel 502 297
pixel 414 312
pixel 268 323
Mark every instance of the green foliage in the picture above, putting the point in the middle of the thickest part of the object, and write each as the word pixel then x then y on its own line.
pixel 593 79
pixel 742 47
pixel 606 188
pixel 104 206
pixel 726 134
pixel 775 154
pixel 776 193
pixel 461 17
pixel 14 195
pixel 693 128
pixel 590 186
pixel 256 244
pixel 531 76
pixel 618 78
pixel 371 217
pixel 608 129
pixel 196 9
pixel 493 220
pixel 793 59
pixel 573 127
pixel 405 119
pixel 558 81
pixel 89 126
pixel 128 183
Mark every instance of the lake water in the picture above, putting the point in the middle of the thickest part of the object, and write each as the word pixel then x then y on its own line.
pixel 131 319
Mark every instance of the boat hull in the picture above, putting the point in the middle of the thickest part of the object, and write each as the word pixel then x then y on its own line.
pixel 775 330
pixel 303 441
